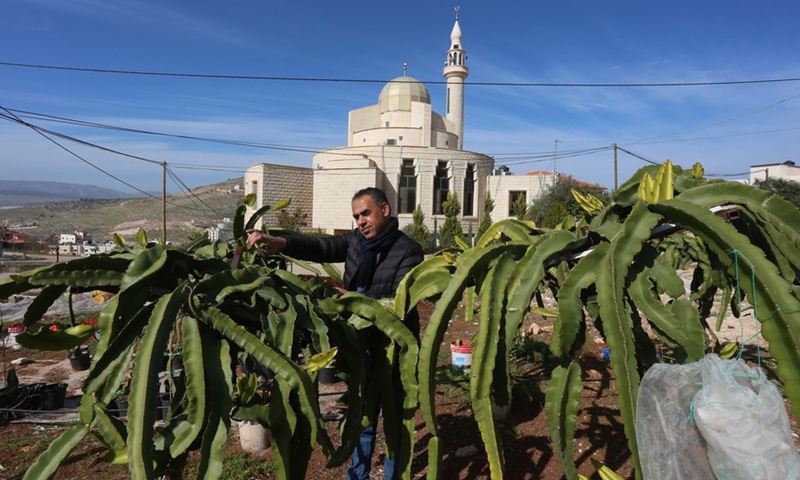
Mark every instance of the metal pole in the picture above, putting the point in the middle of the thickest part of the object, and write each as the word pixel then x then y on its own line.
pixel 555 156
pixel 164 203
pixel 616 185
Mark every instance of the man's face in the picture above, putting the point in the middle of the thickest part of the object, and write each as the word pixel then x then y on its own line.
pixel 370 217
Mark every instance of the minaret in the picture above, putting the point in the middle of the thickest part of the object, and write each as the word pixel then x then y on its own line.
pixel 455 71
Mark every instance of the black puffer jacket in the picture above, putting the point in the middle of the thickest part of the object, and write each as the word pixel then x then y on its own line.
pixel 396 258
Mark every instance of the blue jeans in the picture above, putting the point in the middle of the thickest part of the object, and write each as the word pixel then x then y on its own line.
pixel 362 455
pixel 362 458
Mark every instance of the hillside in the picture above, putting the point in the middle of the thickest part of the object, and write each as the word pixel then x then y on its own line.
pixel 29 192
pixel 186 214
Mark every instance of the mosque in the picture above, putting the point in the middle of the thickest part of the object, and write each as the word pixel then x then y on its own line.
pixel 405 148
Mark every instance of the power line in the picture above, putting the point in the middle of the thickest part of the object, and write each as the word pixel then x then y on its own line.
pixel 46 134
pixel 180 183
pixel 72 121
pixel 363 80
pixel 510 159
pixel 640 157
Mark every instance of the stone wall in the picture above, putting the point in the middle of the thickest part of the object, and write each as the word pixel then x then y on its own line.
pixel 273 183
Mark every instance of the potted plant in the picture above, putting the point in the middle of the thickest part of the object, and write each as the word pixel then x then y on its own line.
pixel 251 411
pixel 461 355
pixel 118 406
pixel 53 395
pixel 79 358
pixel 17 396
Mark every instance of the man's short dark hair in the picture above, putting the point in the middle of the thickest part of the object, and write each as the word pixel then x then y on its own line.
pixel 377 195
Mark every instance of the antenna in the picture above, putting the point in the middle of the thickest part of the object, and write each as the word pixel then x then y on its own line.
pixel 405 66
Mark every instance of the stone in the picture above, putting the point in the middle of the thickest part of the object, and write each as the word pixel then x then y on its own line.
pixel 466 451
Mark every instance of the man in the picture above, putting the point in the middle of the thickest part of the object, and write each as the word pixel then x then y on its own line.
pixel 377 256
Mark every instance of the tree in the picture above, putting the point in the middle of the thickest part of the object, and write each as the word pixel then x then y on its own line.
pixel 295 221
pixel 520 207
pixel 452 225
pixel 417 230
pixel 788 189
pixel 486 218
pixel 561 192
pixel 555 216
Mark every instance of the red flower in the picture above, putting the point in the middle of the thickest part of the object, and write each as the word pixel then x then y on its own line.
pixel 53 327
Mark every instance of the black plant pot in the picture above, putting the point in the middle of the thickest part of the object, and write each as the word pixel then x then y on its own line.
pixel 327 376
pixel 53 395
pixel 80 360
pixel 23 397
pixel 118 408
pixel 166 401
pixel 177 363
pixel 122 408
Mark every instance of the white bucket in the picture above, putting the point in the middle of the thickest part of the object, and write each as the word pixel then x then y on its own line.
pixel 13 331
pixel 461 356
pixel 254 438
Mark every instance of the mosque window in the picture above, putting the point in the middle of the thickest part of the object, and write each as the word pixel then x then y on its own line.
pixel 448 100
pixel 391 141
pixel 408 187
pixel 441 185
pixel 469 191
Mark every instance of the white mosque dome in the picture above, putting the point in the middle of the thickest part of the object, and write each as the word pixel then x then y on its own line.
pixel 400 92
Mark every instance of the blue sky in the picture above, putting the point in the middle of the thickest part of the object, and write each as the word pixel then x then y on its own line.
pixel 727 128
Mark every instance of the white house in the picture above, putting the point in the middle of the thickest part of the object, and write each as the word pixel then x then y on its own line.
pixel 786 170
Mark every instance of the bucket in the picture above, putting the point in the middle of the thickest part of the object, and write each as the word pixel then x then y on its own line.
pixel 254 438
pixel 461 356
pixel 13 331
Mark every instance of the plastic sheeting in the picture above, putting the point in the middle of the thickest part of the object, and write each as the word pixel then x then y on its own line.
pixel 713 419
pixel 13 310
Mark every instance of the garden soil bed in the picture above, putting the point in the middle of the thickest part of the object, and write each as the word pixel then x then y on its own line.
pixel 528 451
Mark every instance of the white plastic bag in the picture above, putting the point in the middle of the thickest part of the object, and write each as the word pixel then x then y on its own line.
pixel 713 415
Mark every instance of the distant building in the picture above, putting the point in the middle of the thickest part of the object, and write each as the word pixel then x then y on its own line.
pixel 506 188
pixel 786 171
pixel 220 231
pixel 67 239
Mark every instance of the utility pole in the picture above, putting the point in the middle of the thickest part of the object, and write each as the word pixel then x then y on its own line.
pixel 616 185
pixel 164 203
pixel 555 169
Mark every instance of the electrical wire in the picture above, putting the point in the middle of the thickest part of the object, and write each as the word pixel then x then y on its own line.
pixel 640 157
pixel 37 130
pixel 508 159
pixel 180 183
pixel 361 80
pixel 46 134
pixel 71 121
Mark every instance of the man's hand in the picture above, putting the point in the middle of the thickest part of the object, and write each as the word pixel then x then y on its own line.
pixel 272 245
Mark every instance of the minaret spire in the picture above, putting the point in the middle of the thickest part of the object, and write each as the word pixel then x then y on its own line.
pixel 455 71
